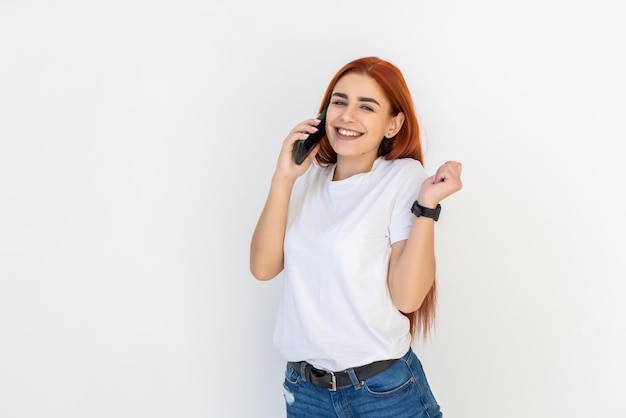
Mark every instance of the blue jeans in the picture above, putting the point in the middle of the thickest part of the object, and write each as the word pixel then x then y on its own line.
pixel 401 391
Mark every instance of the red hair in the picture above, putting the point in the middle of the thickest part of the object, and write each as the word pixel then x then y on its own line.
pixel 406 144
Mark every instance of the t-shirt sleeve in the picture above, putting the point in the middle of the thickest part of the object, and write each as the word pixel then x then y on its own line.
pixel 409 180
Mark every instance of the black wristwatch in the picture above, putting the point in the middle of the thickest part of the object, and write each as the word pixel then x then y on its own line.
pixel 419 210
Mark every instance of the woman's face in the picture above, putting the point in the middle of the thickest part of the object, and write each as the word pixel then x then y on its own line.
pixel 359 117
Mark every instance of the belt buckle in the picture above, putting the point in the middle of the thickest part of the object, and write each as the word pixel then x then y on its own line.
pixel 333 382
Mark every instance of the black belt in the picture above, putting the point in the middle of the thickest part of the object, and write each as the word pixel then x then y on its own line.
pixel 334 380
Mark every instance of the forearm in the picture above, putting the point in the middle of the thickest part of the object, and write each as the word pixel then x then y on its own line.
pixel 412 267
pixel 266 248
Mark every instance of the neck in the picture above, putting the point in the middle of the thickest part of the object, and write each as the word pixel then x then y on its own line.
pixel 347 167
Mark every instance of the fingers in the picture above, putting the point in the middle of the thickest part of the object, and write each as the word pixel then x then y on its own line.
pixel 285 166
pixel 450 172
pixel 301 132
pixel 306 127
pixel 446 181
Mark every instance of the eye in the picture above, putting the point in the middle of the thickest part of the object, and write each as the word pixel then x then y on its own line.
pixel 365 107
pixel 339 103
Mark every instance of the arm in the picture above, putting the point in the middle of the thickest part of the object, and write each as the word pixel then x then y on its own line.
pixel 412 266
pixel 266 247
pixel 412 262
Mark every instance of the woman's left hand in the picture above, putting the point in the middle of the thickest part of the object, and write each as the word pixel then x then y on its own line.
pixel 446 181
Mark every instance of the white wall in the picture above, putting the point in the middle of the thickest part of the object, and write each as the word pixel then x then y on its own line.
pixel 137 141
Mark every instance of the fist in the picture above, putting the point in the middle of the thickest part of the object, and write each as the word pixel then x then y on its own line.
pixel 443 183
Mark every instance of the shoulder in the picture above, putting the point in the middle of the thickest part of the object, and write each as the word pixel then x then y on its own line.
pixel 408 167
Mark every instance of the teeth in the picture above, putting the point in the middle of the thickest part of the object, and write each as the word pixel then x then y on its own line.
pixel 345 132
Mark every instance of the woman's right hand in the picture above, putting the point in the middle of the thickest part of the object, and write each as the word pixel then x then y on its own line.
pixel 285 167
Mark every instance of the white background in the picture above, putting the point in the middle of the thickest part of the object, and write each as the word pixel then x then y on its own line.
pixel 137 142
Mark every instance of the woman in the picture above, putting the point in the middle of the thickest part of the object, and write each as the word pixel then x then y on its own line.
pixel 353 229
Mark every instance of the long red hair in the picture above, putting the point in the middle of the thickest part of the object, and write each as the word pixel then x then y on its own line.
pixel 406 144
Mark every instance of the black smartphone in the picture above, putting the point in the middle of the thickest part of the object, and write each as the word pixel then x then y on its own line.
pixel 302 148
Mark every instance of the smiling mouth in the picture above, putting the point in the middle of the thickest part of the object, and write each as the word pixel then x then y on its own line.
pixel 348 133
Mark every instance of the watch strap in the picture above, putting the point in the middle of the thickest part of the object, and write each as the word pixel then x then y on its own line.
pixel 419 210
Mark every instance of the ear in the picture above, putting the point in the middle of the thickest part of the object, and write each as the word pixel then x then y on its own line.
pixel 395 125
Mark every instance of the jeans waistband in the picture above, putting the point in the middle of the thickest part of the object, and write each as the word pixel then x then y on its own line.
pixel 334 380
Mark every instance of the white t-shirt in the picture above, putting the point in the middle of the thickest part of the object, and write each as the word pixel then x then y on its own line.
pixel 336 311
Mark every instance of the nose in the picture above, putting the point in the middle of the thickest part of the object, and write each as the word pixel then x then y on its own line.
pixel 348 114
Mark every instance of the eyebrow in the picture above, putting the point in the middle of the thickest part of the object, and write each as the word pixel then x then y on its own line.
pixel 361 99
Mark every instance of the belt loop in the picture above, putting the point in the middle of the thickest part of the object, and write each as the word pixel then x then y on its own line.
pixel 354 379
pixel 303 371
